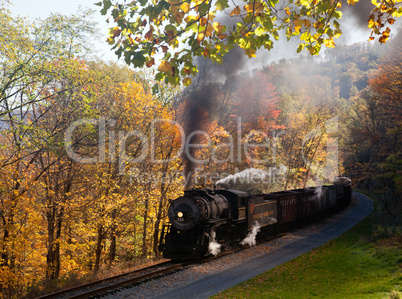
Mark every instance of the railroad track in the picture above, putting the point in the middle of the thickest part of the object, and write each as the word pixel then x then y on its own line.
pixel 129 279
pixel 99 287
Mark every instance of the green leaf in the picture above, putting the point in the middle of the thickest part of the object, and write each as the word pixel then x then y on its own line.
pixel 171 28
pixel 222 4
pixel 323 7
pixel 139 59
pixel 300 48
pixel 337 14
pixel 267 22
pixel 155 88
pixel 127 57
pixel 203 9
pixel 119 51
pixel 336 24
pixel 106 5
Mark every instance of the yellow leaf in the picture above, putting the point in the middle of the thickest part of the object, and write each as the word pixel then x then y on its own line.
pixel 190 18
pixel 391 21
pixel 211 17
pixel 254 7
pixel 209 30
pixel 371 23
pixel 203 21
pixel 250 53
pixel 287 11
pixel 200 36
pixel 185 7
pixel 187 81
pixel 217 27
pixel 352 2
pixel 164 66
pixel 329 43
pixel 235 12
pixel 297 25
pixel 318 25
pixel 306 23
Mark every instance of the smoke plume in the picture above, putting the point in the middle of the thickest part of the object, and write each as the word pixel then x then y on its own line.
pixel 253 180
pixel 360 12
pixel 198 112
pixel 318 191
pixel 251 236
pixel 214 247
pixel 202 101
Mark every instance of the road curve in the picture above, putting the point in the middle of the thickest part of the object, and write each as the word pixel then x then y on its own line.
pixel 214 283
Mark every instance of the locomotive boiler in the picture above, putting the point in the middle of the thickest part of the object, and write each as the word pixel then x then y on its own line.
pixel 202 216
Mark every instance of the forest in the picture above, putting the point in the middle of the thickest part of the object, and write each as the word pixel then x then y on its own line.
pixel 90 157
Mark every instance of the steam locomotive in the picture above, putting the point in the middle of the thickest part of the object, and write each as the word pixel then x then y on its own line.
pixel 203 216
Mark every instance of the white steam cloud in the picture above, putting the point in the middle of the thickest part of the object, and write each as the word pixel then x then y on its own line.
pixel 251 236
pixel 214 247
pixel 253 180
pixel 318 191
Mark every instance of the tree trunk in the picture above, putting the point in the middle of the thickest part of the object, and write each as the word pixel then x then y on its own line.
pixel 158 220
pixel 50 241
pixel 98 250
pixel 144 236
pixel 112 250
pixel 57 244
pixel 4 251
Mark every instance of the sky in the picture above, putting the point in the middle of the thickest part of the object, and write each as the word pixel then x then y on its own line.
pixel 354 26
pixel 43 8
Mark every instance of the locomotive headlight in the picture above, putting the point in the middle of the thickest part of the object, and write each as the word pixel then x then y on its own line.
pixel 180 214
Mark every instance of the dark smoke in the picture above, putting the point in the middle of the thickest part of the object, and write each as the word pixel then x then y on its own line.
pixel 360 11
pixel 202 100
pixel 209 72
pixel 198 112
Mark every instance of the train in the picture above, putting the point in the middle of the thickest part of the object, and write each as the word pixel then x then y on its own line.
pixel 226 217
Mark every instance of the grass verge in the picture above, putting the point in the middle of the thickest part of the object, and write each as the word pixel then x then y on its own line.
pixel 358 264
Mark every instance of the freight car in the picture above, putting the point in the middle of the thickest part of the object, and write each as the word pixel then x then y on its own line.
pixel 202 216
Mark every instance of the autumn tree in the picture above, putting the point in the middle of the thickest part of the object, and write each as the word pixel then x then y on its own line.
pixel 37 68
pixel 255 101
pixel 375 127
pixel 52 119
pixel 182 30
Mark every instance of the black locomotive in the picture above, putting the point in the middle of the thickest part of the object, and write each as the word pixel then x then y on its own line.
pixel 201 216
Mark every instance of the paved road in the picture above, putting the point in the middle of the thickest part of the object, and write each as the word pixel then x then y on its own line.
pixel 214 283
